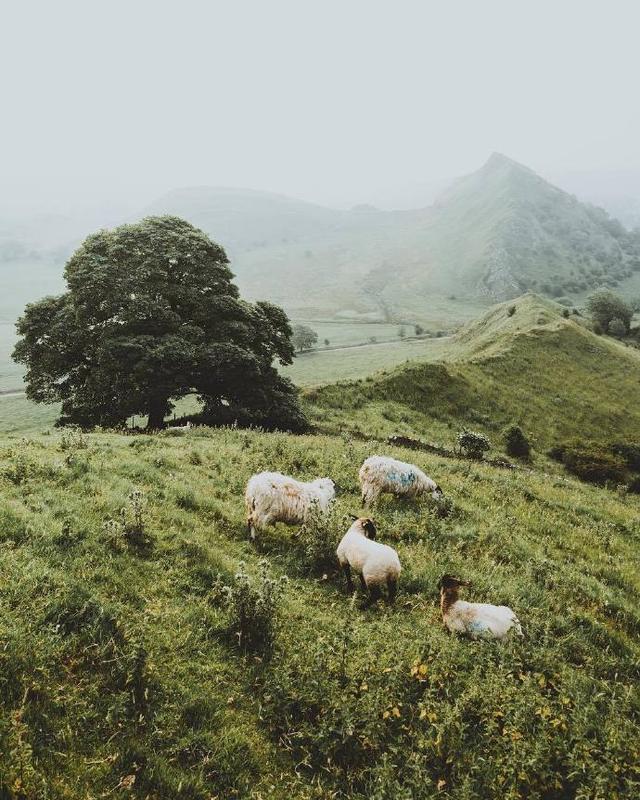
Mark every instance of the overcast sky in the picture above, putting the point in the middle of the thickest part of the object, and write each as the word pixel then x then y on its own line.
pixel 337 102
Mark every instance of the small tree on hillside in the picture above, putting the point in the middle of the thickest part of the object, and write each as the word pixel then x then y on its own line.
pixel 605 306
pixel 150 315
pixel 303 337
pixel 473 444
pixel 515 442
pixel 617 328
pixel 418 329
pixel 401 332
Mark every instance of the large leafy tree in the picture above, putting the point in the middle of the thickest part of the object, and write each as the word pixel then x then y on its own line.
pixel 151 314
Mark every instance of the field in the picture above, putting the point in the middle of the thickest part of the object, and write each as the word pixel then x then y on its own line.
pixel 129 678
pixel 147 649
pixel 323 366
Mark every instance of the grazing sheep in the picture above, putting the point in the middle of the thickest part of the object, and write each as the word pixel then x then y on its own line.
pixel 380 474
pixel 378 564
pixel 478 620
pixel 271 497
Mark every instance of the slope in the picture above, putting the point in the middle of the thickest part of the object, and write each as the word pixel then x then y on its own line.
pixel 122 675
pixel 533 366
pixel 492 235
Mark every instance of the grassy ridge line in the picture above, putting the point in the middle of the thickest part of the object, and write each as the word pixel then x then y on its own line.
pixel 125 667
pixel 549 374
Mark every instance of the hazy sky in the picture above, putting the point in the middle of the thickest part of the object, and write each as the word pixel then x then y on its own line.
pixel 337 102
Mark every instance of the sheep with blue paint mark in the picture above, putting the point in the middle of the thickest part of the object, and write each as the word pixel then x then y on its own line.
pixel 384 475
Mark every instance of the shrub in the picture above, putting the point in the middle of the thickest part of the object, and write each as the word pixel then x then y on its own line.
pixel 634 486
pixel 566 313
pixel 605 307
pixel 591 462
pixel 473 444
pixel 617 328
pixel 511 311
pixel 319 537
pixel 516 443
pixel 630 452
pixel 253 605
pixel 73 439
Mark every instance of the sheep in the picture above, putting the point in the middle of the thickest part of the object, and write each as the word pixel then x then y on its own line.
pixel 179 428
pixel 379 474
pixel 378 564
pixel 478 620
pixel 272 497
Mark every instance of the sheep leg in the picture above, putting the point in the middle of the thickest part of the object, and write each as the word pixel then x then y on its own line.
pixel 374 595
pixel 392 589
pixel 363 583
pixel 347 574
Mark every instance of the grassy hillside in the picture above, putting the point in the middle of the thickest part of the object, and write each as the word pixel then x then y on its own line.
pixel 121 674
pixel 549 374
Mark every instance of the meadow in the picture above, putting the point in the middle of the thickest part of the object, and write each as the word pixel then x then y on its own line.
pixel 325 366
pixel 148 649
pixel 122 672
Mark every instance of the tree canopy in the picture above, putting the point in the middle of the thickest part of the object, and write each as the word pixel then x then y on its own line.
pixel 304 337
pixel 605 306
pixel 152 314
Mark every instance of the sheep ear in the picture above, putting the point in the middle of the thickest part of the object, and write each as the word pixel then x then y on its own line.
pixel 354 516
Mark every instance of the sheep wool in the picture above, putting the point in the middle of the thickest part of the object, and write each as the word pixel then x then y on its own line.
pixel 381 474
pixel 477 620
pixel 377 564
pixel 272 497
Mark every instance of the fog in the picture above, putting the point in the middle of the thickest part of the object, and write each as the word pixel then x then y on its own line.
pixel 108 105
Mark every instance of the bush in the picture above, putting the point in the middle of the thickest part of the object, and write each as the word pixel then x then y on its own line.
pixel 253 605
pixel 566 313
pixel 634 486
pixel 516 443
pixel 511 311
pixel 319 537
pixel 630 452
pixel 591 462
pixel 617 328
pixel 473 444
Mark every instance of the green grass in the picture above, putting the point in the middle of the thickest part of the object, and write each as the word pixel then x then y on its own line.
pixel 118 666
pixel 549 374
pixel 324 366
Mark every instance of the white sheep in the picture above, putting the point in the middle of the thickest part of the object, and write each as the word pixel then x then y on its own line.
pixel 272 497
pixel 180 428
pixel 377 564
pixel 477 620
pixel 381 474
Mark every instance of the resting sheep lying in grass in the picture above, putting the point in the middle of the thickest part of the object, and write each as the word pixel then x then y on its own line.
pixel 381 474
pixel 478 620
pixel 378 564
pixel 271 497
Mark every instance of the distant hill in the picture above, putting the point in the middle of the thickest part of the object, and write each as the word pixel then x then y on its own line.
pixel 492 235
pixel 535 367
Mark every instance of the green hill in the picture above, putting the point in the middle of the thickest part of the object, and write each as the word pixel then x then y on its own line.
pixel 534 367
pixel 120 667
pixel 493 235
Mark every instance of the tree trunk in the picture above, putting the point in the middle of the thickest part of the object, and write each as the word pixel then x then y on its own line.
pixel 157 409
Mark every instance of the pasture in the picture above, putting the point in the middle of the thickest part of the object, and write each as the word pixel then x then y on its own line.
pixel 129 676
